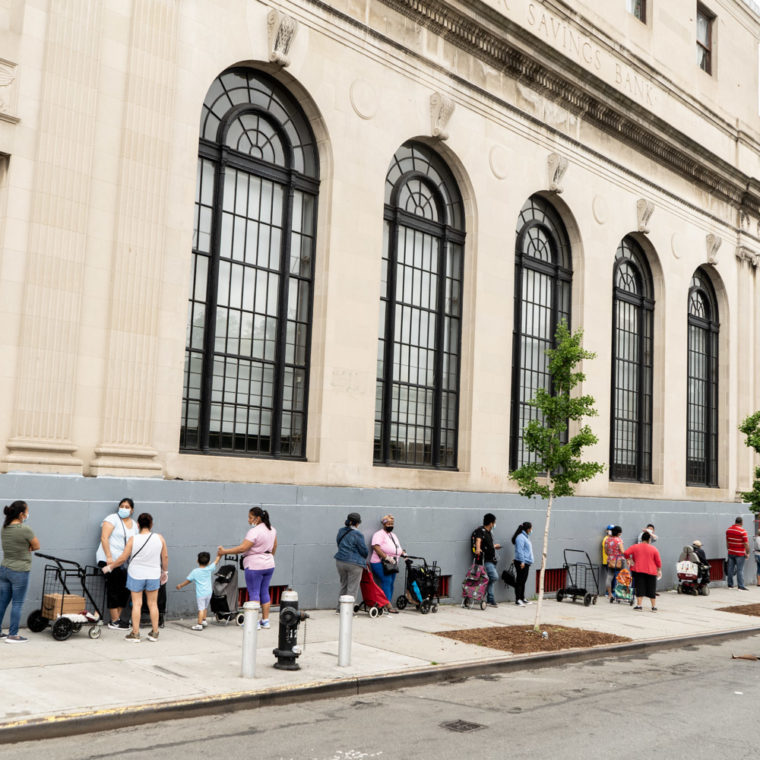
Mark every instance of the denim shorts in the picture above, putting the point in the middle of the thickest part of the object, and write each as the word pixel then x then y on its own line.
pixel 143 584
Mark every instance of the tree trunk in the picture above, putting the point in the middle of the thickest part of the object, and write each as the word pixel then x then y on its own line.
pixel 542 571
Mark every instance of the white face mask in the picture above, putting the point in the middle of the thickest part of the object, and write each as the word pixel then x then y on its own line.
pixel 124 513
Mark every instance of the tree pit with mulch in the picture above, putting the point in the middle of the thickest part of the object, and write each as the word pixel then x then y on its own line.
pixel 742 609
pixel 519 639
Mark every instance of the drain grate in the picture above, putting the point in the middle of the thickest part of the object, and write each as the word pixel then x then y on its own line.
pixel 461 726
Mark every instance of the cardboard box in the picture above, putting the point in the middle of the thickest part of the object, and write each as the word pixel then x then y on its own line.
pixel 54 605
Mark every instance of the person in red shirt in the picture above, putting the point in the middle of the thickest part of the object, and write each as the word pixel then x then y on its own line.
pixel 737 546
pixel 646 569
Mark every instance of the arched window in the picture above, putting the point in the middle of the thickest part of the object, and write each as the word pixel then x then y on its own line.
pixel 702 378
pixel 249 323
pixel 632 313
pixel 543 281
pixel 417 402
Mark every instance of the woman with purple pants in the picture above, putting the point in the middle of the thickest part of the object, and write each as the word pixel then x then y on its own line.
pixel 258 549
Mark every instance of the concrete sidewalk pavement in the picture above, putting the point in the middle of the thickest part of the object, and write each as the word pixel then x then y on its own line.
pixel 55 688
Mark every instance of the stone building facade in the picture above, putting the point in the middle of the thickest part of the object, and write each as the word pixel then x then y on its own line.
pixel 309 254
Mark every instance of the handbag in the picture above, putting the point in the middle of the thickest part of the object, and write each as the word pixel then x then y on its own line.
pixel 390 565
pixel 509 576
pixel 616 564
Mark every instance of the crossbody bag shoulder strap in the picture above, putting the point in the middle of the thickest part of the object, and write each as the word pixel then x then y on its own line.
pixel 150 535
pixel 348 530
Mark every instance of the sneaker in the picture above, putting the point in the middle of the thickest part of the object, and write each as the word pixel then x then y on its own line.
pixel 654 609
pixel 526 603
pixel 153 636
pixel 637 607
pixel 520 603
pixel 204 623
pixel 197 627
pixel 265 624
pixel 133 637
pixel 743 588
pixel 16 639
pixel 115 625
pixel 492 604
pixel 3 635
pixel 161 620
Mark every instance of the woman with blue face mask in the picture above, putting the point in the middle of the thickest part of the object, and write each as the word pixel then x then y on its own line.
pixel 115 531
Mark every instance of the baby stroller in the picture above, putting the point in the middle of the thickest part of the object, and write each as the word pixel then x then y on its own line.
pixel 422 585
pixel 622 588
pixel 224 595
pixel 693 575
pixel 474 587
pixel 374 600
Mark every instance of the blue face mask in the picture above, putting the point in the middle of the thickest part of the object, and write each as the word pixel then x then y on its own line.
pixel 124 513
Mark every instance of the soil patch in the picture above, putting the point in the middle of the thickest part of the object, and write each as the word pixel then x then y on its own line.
pixel 742 609
pixel 522 640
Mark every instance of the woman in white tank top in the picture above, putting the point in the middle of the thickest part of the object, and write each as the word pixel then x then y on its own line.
pixel 148 567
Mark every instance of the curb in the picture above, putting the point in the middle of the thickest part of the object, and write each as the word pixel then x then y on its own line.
pixel 89 721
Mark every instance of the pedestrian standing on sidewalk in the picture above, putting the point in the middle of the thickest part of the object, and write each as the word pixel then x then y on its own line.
pixel 351 557
pixel 737 546
pixel 652 537
pixel 386 550
pixel 18 542
pixel 148 568
pixel 115 530
pixel 201 577
pixel 614 549
pixel 523 560
pixel 484 549
pixel 757 554
pixel 258 549
pixel 646 570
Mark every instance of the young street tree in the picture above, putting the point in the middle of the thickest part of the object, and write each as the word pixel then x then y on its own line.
pixel 556 464
pixel 751 429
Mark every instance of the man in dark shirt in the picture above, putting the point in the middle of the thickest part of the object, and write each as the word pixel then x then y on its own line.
pixel 485 552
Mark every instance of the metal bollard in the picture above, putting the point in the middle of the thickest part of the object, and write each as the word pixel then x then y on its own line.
pixel 250 621
pixel 344 635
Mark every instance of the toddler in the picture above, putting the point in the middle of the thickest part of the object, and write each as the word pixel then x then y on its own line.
pixel 201 576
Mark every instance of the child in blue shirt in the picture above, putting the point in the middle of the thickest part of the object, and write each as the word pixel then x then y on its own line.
pixel 201 576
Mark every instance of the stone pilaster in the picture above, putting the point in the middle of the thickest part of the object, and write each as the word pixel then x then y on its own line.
pixel 41 437
pixel 127 433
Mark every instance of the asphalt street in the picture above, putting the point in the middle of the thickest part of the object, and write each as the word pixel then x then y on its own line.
pixel 694 702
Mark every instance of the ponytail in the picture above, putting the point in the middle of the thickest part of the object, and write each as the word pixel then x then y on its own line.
pixel 14 511
pixel 262 514
pixel 520 528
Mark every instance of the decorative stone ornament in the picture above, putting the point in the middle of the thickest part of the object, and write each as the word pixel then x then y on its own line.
pixel 747 254
pixel 441 108
pixel 557 166
pixel 281 29
pixel 644 211
pixel 713 244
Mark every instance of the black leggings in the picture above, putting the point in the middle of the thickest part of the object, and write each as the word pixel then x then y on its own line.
pixel 522 576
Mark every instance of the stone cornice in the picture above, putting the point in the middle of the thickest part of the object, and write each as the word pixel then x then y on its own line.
pixel 526 59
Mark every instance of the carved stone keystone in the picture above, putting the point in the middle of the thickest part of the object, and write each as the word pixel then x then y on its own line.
pixel 644 211
pixel 713 243
pixel 557 166
pixel 441 108
pixel 281 29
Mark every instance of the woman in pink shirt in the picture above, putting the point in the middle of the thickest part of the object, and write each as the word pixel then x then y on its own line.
pixel 646 569
pixel 385 544
pixel 258 549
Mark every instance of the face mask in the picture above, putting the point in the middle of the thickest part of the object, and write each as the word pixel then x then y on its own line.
pixel 124 513
pixel 388 528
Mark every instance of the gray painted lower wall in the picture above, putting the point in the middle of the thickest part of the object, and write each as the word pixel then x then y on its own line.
pixel 66 513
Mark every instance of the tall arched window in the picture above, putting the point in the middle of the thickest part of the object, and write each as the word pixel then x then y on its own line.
pixel 543 281
pixel 417 402
pixel 249 323
pixel 632 313
pixel 702 378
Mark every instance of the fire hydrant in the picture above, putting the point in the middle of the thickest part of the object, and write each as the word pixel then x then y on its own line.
pixel 287 648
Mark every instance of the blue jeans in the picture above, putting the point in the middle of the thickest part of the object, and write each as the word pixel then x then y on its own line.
pixel 493 576
pixel 13 584
pixel 384 580
pixel 735 567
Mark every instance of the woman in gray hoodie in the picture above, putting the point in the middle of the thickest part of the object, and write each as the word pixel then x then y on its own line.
pixel 351 557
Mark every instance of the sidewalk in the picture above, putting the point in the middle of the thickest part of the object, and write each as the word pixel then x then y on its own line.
pixel 54 688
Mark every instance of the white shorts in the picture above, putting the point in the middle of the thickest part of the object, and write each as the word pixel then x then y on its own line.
pixel 203 602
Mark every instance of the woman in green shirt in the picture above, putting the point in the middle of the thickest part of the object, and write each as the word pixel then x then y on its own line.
pixel 18 542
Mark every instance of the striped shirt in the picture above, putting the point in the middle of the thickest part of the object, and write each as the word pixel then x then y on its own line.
pixel 736 541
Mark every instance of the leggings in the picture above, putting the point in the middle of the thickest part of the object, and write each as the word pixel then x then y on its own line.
pixel 521 576
pixel 257 582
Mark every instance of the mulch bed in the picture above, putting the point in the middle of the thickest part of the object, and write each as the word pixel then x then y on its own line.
pixel 743 609
pixel 523 640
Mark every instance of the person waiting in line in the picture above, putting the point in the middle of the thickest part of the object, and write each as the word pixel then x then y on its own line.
pixel 614 549
pixel 607 532
pixel 115 530
pixel 757 555
pixel 384 561
pixel 737 546
pixel 647 568
pixel 201 577
pixel 484 549
pixel 351 557
pixel 18 541
pixel 523 560
pixel 652 537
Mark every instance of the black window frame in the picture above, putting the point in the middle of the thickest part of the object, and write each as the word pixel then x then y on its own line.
pixel 291 180
pixel 449 231
pixel 630 252
pixel 561 273
pixel 638 12
pixel 701 285
pixel 705 50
